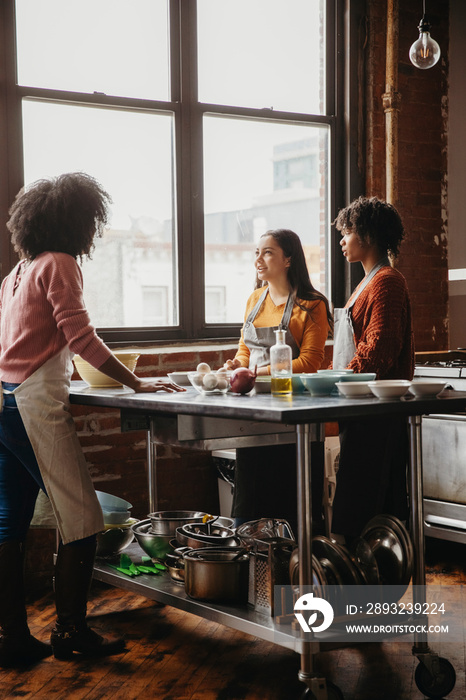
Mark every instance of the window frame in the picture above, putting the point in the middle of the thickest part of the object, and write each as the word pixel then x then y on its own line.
pixel 188 177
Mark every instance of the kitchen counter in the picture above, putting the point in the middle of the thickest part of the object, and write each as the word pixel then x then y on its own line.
pixel 293 410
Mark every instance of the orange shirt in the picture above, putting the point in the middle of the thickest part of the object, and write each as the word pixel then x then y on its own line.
pixel 309 331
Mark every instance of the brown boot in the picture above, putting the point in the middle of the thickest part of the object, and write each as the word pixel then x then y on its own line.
pixel 73 575
pixel 17 646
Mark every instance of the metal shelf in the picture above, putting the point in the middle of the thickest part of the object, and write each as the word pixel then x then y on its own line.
pixel 164 590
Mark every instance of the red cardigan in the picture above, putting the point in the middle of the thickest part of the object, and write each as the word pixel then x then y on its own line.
pixel 382 325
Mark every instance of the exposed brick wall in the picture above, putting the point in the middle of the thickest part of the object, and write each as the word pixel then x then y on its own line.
pixel 117 461
pixel 422 154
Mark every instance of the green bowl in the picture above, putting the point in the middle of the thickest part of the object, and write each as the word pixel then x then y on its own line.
pixel 298 386
pixel 319 384
pixel 361 377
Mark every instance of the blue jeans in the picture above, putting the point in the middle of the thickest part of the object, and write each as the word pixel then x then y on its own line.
pixel 20 477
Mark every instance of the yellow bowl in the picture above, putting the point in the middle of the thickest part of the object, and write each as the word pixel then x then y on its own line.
pixel 98 379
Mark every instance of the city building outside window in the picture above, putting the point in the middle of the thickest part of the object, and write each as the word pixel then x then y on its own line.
pixel 208 121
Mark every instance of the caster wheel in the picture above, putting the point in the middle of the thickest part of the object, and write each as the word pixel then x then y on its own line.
pixel 307 695
pixel 439 686
pixel 333 693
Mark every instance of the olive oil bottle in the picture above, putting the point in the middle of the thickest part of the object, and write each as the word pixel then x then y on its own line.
pixel 280 366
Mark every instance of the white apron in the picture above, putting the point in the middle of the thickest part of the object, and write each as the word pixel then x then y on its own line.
pixel 43 403
pixel 344 347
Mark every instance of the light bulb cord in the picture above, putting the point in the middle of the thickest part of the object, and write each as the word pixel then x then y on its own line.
pixel 424 24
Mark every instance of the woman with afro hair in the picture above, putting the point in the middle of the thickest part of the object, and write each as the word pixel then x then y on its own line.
pixel 43 322
pixel 373 333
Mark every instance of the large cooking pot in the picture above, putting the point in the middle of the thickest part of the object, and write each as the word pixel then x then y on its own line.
pixel 200 535
pixel 219 573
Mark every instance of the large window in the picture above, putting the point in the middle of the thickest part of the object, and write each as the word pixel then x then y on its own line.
pixel 209 122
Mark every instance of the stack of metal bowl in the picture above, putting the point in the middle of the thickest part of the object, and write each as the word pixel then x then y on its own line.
pixel 165 522
pixel 154 533
pixel 200 535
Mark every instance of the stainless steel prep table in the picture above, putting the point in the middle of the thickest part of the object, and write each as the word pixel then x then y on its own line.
pixel 209 422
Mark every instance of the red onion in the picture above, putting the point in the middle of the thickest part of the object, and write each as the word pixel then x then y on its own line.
pixel 242 380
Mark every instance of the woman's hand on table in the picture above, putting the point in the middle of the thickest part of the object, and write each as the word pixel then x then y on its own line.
pixel 232 364
pixel 152 385
pixel 262 371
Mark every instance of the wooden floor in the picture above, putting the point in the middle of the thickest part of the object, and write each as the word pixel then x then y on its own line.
pixel 176 656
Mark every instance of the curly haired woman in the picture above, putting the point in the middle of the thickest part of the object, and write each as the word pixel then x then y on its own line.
pixel 373 333
pixel 43 321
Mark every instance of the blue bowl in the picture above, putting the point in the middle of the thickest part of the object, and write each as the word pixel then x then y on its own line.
pixel 361 377
pixel 335 371
pixel 319 384
pixel 298 386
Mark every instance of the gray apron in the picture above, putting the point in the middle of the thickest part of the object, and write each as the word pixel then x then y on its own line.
pixel 344 347
pixel 260 340
pixel 43 401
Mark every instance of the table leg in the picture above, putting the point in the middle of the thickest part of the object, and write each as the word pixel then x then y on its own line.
pixel 152 467
pixel 417 522
pixel 305 434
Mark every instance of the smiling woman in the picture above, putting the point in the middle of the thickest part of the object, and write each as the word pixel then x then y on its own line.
pixel 265 477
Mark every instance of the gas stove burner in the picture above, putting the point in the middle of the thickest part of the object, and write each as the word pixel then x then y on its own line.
pixel 446 363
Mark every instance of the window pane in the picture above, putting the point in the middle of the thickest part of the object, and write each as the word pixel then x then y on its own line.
pixel 260 176
pixel 262 53
pixel 131 156
pixel 111 46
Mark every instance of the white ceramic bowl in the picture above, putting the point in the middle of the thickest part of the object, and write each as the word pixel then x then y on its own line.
pixel 354 389
pixel 99 380
pixel 426 387
pixel 180 378
pixel 201 382
pixel 262 385
pixel 389 388
pixel 335 371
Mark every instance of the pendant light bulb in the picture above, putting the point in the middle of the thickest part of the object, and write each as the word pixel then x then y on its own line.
pixel 425 52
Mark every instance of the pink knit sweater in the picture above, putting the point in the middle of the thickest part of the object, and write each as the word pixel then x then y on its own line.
pixel 41 311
